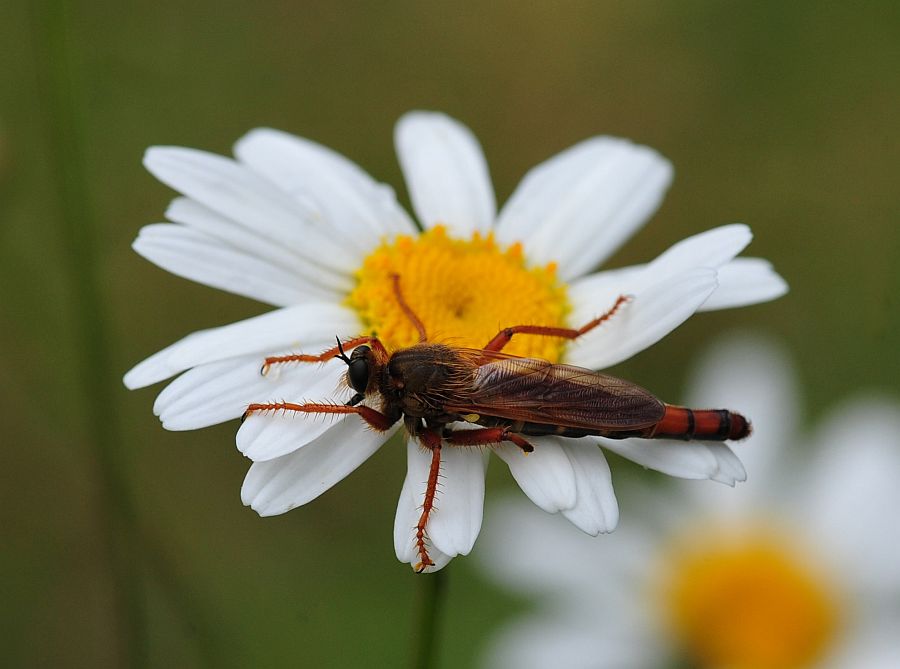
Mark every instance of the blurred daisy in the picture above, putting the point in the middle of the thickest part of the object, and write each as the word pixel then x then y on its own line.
pixel 295 225
pixel 798 568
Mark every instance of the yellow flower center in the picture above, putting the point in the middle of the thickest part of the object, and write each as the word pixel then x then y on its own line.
pixel 463 291
pixel 749 604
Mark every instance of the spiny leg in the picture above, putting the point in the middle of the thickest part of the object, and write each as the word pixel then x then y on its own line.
pixel 432 441
pixel 486 435
pixel 503 337
pixel 376 419
pixel 325 356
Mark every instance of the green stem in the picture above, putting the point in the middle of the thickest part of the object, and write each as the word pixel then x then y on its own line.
pixel 432 589
pixel 59 90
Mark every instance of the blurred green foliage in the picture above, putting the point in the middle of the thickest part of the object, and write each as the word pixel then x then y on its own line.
pixel 782 115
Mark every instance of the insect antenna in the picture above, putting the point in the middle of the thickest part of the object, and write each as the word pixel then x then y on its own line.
pixel 356 399
pixel 342 355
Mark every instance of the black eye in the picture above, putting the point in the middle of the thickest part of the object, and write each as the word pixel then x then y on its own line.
pixel 359 374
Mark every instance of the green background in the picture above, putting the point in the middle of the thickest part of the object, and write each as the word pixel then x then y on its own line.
pixel 126 544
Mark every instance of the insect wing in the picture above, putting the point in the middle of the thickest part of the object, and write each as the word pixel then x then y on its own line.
pixel 538 391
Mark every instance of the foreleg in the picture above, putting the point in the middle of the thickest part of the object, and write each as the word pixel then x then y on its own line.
pixel 376 420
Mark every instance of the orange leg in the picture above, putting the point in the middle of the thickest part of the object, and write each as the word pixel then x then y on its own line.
pixel 503 337
pixel 405 308
pixel 432 441
pixel 325 356
pixel 486 435
pixel 375 419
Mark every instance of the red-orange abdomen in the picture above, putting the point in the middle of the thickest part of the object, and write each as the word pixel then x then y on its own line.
pixel 701 424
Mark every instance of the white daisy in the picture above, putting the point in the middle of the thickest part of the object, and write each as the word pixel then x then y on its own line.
pixel 799 568
pixel 293 224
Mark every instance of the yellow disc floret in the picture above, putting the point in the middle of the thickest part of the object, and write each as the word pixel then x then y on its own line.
pixel 463 291
pixel 749 604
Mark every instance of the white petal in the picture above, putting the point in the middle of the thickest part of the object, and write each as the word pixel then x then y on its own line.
pixel 456 520
pixel 264 436
pixel 276 486
pixel 204 220
pixel 287 328
pixel 409 507
pixel 194 255
pixel 446 173
pixel 344 199
pixel 651 314
pixel 688 460
pixel 545 475
pixel 537 553
pixel 234 191
pixel 578 207
pixel 745 281
pixel 459 505
pixel 712 248
pixel 596 509
pixel 219 391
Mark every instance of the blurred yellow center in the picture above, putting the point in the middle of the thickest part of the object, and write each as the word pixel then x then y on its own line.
pixel 463 291
pixel 750 605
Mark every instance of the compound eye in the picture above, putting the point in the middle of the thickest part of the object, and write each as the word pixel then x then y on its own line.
pixel 359 374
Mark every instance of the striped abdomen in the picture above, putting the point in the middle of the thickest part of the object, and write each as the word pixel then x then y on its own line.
pixel 676 423
pixel 700 424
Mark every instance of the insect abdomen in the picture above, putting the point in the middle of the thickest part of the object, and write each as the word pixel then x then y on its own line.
pixel 700 424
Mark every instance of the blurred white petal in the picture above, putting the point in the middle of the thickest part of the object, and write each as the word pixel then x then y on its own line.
pixel 572 642
pixel 750 375
pixel 851 496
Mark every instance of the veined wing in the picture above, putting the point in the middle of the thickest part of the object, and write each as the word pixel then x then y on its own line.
pixel 537 391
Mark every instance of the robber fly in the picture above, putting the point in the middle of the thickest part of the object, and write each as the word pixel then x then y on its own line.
pixel 431 386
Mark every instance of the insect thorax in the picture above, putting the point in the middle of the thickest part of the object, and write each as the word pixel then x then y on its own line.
pixel 422 378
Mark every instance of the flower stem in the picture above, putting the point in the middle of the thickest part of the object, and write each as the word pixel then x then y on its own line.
pixel 432 588
pixel 59 88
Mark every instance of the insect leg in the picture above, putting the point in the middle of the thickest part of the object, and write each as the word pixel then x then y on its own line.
pixel 430 440
pixel 325 356
pixel 407 310
pixel 503 337
pixel 486 435
pixel 377 420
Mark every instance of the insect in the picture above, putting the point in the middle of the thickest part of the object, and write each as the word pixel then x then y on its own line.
pixel 431 386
